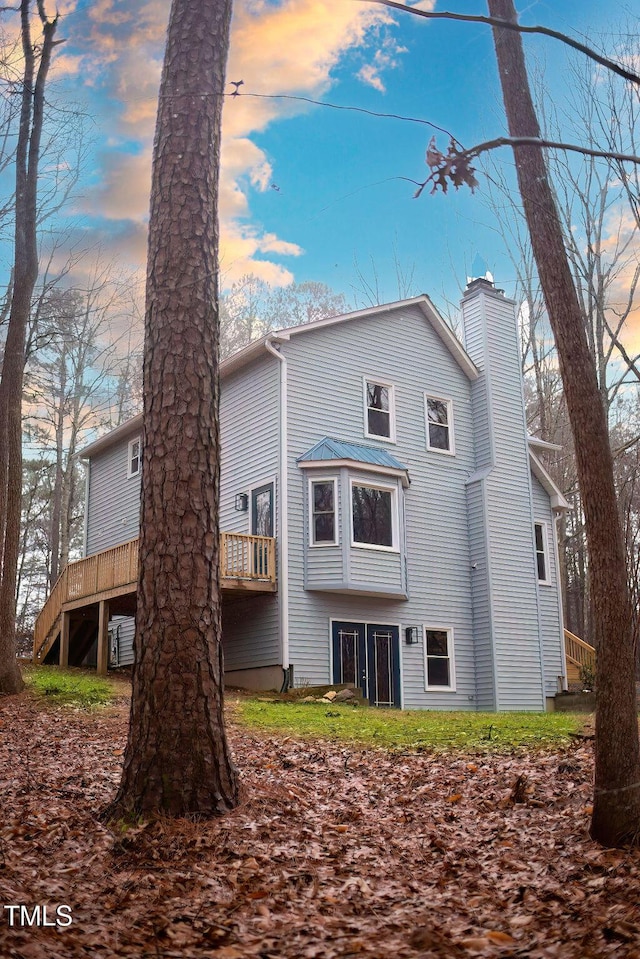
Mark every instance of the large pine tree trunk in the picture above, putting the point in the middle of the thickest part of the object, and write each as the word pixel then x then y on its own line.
pixel 177 760
pixel 616 814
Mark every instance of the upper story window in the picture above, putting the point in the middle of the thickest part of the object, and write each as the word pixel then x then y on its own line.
pixel 439 413
pixel 542 562
pixel 438 659
pixel 134 457
pixel 323 499
pixel 379 410
pixel 374 516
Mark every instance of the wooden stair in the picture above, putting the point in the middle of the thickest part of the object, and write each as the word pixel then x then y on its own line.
pixel 111 577
pixel 578 655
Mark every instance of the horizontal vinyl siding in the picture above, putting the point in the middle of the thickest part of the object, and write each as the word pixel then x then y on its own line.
pixel 515 614
pixel 478 558
pixel 371 569
pixel 125 639
pixel 548 595
pixel 249 440
pixel 326 370
pixel 250 632
pixel 249 436
pixel 324 566
pixel 481 404
pixel 113 514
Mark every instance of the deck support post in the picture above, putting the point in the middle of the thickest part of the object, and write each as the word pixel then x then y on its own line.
pixel 103 637
pixel 64 638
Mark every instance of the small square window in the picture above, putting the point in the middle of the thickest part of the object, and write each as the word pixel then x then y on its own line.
pixel 439 424
pixel 324 528
pixel 379 410
pixel 438 659
pixel 133 457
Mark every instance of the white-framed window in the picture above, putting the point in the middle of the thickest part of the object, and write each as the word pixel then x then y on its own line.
pixel 134 457
pixel 439 418
pixel 374 516
pixel 542 552
pixel 323 511
pixel 439 666
pixel 379 410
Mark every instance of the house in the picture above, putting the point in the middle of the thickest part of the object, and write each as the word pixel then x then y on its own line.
pixel 386 519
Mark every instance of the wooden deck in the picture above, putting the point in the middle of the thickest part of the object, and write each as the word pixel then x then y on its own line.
pixel 578 654
pixel 106 583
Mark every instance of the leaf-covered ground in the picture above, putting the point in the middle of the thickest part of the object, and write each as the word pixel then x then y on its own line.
pixel 335 851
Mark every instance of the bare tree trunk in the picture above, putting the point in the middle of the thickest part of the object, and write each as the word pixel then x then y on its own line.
pixel 177 760
pixel 56 512
pixel 616 813
pixel 24 279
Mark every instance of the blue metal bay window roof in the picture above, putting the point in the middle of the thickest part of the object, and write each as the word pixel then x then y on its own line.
pixel 332 451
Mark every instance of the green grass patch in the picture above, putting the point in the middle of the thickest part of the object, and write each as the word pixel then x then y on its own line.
pixel 419 730
pixel 66 687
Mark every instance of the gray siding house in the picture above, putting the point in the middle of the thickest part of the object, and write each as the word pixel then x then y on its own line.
pixel 413 518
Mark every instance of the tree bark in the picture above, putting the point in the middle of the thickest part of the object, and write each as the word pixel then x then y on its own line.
pixel 616 811
pixel 177 760
pixel 25 273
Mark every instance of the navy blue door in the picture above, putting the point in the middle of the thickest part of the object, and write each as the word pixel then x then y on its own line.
pixel 350 655
pixel 383 665
pixel 368 656
pixel 261 525
pixel 262 510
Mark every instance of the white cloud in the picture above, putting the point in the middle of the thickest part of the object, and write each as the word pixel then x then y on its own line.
pixel 288 48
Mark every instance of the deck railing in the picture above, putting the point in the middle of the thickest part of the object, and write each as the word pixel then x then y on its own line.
pixel 578 652
pixel 249 558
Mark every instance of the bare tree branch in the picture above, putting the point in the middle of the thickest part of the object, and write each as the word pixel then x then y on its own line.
pixel 519 28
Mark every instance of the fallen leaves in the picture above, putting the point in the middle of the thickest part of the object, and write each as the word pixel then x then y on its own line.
pixel 334 852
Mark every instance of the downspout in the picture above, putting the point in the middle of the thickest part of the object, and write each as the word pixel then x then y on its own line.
pixel 556 559
pixel 283 506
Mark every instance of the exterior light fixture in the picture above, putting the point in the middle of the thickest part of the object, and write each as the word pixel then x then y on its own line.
pixel 411 635
pixel 242 502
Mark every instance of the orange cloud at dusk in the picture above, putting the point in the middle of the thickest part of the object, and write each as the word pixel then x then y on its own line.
pixel 286 48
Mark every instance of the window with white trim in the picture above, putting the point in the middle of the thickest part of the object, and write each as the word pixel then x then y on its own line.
pixel 379 404
pixel 323 498
pixel 134 457
pixel 438 658
pixel 542 560
pixel 439 415
pixel 374 516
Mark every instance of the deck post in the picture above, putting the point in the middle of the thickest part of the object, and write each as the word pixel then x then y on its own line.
pixel 64 638
pixel 103 637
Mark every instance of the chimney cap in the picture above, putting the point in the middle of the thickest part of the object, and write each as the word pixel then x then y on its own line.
pixel 481 283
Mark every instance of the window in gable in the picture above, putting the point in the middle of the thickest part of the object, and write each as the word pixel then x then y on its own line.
pixel 541 552
pixel 374 512
pixel 439 413
pixel 379 410
pixel 438 659
pixel 323 498
pixel 133 457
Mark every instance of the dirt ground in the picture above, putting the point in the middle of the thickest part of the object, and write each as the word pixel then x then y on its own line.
pixel 334 851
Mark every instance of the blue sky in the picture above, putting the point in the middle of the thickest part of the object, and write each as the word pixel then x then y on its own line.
pixel 311 193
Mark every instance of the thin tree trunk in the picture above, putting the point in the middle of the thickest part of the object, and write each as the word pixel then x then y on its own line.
pixel 24 278
pixel 177 760
pixel 616 813
pixel 56 512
